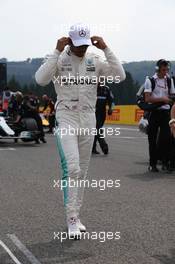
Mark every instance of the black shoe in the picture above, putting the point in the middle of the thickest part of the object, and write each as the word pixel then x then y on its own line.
pixel 166 168
pixel 94 151
pixel 43 140
pixel 105 149
pixel 153 168
pixel 37 141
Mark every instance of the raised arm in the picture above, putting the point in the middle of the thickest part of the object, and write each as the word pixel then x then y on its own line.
pixel 111 67
pixel 48 69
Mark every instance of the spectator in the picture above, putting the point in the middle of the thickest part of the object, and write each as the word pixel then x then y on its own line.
pixel 104 98
pixel 159 118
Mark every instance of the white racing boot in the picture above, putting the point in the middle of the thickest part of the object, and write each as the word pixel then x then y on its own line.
pixel 73 228
pixel 81 226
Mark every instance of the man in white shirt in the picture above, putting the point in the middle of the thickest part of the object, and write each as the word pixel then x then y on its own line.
pixel 159 118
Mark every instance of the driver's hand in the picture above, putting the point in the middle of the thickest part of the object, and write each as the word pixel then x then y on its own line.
pixel 62 43
pixel 98 42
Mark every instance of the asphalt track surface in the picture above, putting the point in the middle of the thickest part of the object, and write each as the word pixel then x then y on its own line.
pixel 31 210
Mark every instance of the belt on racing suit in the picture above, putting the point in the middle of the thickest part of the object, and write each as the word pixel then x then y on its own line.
pixel 72 108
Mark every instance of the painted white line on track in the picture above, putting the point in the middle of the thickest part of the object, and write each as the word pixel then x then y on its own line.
pixel 23 249
pixel 10 253
pixel 2 149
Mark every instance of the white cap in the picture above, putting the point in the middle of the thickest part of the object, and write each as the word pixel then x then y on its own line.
pixel 80 35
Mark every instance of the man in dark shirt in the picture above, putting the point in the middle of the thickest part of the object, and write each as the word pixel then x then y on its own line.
pixel 104 98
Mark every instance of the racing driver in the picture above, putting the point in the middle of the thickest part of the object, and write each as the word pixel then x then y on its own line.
pixel 72 69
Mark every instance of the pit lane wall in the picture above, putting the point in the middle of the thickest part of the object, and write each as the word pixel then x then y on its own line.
pixel 125 115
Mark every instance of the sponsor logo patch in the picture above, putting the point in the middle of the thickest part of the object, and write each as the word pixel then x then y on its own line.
pixel 82 33
pixel 66 69
pixel 90 65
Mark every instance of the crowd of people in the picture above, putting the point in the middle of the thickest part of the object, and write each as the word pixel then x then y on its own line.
pixel 18 106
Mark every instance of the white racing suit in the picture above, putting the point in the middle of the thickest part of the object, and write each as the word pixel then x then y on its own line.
pixel 75 109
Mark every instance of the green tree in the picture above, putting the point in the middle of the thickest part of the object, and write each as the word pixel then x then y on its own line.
pixel 125 92
pixel 13 84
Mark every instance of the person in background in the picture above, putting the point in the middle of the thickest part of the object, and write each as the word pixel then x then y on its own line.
pixel 159 119
pixel 13 107
pixel 29 109
pixel 15 104
pixel 5 100
pixel 48 103
pixel 104 98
